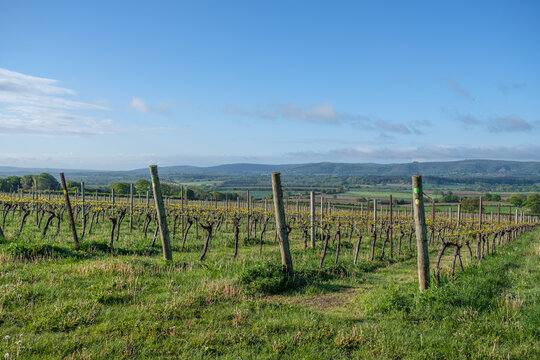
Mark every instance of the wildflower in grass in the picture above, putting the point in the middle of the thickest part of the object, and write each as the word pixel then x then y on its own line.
pixel 6 356
pixel 7 337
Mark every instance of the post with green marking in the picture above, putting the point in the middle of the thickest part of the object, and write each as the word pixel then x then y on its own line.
pixel 421 233
pixel 161 214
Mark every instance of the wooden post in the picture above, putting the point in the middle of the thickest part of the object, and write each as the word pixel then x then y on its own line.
pixel 391 234
pixel 421 233
pixel 498 213
pixel 375 213
pixel 162 216
pixel 312 213
pixel 322 214
pixel 70 212
pixel 281 225
pixel 459 214
pixel 433 213
pixel 480 214
pixel 130 207
pixel 82 208
pixel 248 213
pixel 182 207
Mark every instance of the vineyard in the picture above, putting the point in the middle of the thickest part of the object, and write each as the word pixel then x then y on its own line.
pixel 224 270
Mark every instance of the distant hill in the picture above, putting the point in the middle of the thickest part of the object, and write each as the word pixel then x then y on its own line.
pixel 494 169
pixel 450 168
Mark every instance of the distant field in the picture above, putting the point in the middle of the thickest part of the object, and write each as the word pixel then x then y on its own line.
pixel 370 194
pixel 203 182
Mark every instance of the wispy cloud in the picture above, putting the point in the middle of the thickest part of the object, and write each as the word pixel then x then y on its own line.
pixel 509 124
pixel 390 127
pixel 470 121
pixel 31 105
pixel 324 113
pixel 506 88
pixel 138 104
pixel 257 113
pixel 460 90
pixel 160 128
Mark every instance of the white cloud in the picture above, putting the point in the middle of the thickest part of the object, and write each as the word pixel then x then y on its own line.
pixel 319 113
pixel 138 104
pixel 31 105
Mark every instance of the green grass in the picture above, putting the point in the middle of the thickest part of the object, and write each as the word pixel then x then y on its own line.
pixel 58 303
pixel 378 194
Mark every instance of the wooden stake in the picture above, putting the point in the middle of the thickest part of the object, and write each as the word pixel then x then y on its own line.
pixel 70 212
pixel 391 233
pixel 281 225
pixel 312 213
pixel 421 233
pixel 83 209
pixel 248 214
pixel 130 207
pixel 162 216
pixel 480 214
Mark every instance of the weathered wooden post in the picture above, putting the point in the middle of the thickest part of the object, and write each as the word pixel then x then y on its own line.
pixel 459 214
pixel 312 221
pixel 375 212
pixel 161 214
pixel 182 207
pixel 421 233
pixel 391 233
pixel 70 212
pixel 281 225
pixel 322 215
pixel 433 213
pixel 480 214
pixel 83 209
pixel 498 213
pixel 130 207
pixel 248 214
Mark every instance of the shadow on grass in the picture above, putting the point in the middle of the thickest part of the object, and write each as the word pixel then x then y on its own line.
pixel 35 251
pixel 267 278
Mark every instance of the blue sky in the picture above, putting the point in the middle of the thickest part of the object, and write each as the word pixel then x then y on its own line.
pixel 123 84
